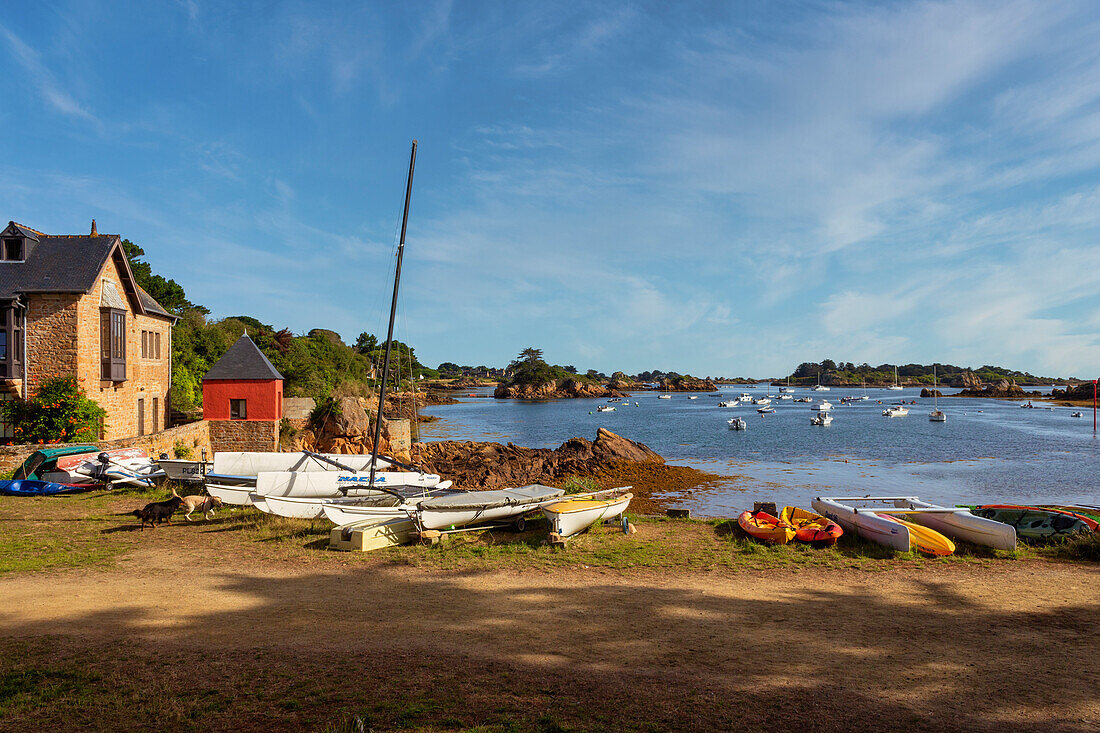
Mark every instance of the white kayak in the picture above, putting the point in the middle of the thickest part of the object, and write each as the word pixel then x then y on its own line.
pixel 568 516
pixel 340 483
pixel 253 463
pixel 960 524
pixel 476 507
pixel 870 526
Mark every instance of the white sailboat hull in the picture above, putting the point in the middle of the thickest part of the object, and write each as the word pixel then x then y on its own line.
pixel 339 483
pixel 478 507
pixel 961 525
pixel 869 526
pixel 254 463
pixel 303 507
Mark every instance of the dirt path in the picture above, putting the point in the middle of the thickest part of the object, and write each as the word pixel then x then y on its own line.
pixel 201 642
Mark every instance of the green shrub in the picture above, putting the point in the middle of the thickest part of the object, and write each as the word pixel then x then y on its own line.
pixel 579 485
pixel 57 412
pixel 182 451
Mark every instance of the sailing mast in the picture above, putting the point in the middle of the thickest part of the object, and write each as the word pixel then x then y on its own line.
pixel 393 313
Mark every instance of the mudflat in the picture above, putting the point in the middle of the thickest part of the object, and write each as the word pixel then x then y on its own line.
pixel 193 627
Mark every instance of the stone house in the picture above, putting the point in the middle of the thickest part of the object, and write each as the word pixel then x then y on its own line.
pixel 69 304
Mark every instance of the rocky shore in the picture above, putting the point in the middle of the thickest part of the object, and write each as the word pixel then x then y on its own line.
pixel 1003 389
pixel 610 460
pixel 567 388
pixel 687 383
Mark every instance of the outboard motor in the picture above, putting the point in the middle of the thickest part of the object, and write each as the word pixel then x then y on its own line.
pixel 99 473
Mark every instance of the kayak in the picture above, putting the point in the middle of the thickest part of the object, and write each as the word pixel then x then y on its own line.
pixel 764 526
pixel 809 527
pixel 31 487
pixel 925 539
pixel 1035 523
pixel 1085 511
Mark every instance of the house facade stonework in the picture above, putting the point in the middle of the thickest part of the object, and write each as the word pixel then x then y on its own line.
pixel 69 305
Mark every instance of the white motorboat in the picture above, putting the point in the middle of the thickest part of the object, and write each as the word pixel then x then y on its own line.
pixel 1076 414
pixel 177 469
pixel 762 401
pixel 959 524
pixel 895 411
pixel 803 399
pixel 822 418
pixel 729 403
pixel 737 423
pixel 605 408
pixel 477 507
pixel 570 516
pixel 895 386
pixel 785 396
pixel 664 397
pixel 823 406
pixel 869 525
pixel 766 409
pixel 820 388
pixel 745 397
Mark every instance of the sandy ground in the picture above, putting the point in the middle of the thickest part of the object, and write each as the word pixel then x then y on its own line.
pixel 182 638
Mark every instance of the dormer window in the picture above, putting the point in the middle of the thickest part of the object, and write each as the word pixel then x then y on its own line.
pixel 12 250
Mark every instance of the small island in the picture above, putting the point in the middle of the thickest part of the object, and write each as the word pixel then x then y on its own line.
pixel 532 378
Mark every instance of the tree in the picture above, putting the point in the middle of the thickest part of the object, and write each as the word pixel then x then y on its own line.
pixel 570 368
pixel 449 367
pixel 366 343
pixel 167 292
pixel 529 355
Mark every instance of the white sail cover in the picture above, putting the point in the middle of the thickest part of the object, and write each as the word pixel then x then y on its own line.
pixel 254 463
pixel 337 483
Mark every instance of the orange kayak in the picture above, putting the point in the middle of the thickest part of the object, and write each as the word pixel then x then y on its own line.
pixel 764 526
pixel 809 527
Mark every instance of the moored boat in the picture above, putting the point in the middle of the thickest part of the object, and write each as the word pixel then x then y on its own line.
pixel 737 423
pixel 809 527
pixel 764 526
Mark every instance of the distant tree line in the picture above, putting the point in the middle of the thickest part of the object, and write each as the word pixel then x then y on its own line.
pixel 831 372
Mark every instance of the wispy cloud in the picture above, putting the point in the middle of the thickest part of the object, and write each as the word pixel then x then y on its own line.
pixel 44 81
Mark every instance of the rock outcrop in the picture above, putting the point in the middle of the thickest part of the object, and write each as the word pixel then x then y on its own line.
pixel 554 390
pixel 622 383
pixel 1001 390
pixel 925 392
pixel 347 429
pixel 475 465
pixel 406 404
pixel 967 380
pixel 687 383
pixel 1083 391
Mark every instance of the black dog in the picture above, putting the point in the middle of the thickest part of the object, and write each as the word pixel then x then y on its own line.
pixel 158 511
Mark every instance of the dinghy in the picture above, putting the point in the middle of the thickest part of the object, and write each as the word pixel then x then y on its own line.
pixel 737 423
pixel 131 466
pixel 571 516
pixel 764 526
pixel 33 487
pixel 477 507
pixel 809 527
pixel 960 524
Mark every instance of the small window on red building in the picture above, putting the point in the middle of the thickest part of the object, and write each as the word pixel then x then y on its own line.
pixel 238 410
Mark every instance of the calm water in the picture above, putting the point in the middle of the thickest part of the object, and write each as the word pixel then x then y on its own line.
pixel 987 451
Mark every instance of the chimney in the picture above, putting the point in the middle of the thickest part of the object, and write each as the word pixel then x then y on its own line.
pixel 94 232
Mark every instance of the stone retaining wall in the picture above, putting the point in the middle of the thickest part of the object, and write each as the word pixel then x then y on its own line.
pixel 195 436
pixel 244 435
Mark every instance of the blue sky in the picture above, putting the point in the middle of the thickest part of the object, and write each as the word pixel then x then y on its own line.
pixel 715 188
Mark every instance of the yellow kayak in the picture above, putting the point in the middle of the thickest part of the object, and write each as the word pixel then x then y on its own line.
pixel 809 527
pixel 926 540
pixel 764 526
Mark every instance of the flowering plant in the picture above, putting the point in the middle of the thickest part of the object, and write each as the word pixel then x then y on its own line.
pixel 58 412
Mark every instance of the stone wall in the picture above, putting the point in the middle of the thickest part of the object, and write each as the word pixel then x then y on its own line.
pixel 244 435
pixel 195 436
pixel 147 378
pixel 298 408
pixel 51 336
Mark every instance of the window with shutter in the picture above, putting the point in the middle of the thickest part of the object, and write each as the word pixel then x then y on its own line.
pixel 112 344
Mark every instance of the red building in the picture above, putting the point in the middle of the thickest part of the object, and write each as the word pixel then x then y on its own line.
pixel 243 385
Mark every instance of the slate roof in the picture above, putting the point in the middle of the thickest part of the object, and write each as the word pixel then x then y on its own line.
pixel 244 360
pixel 63 264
